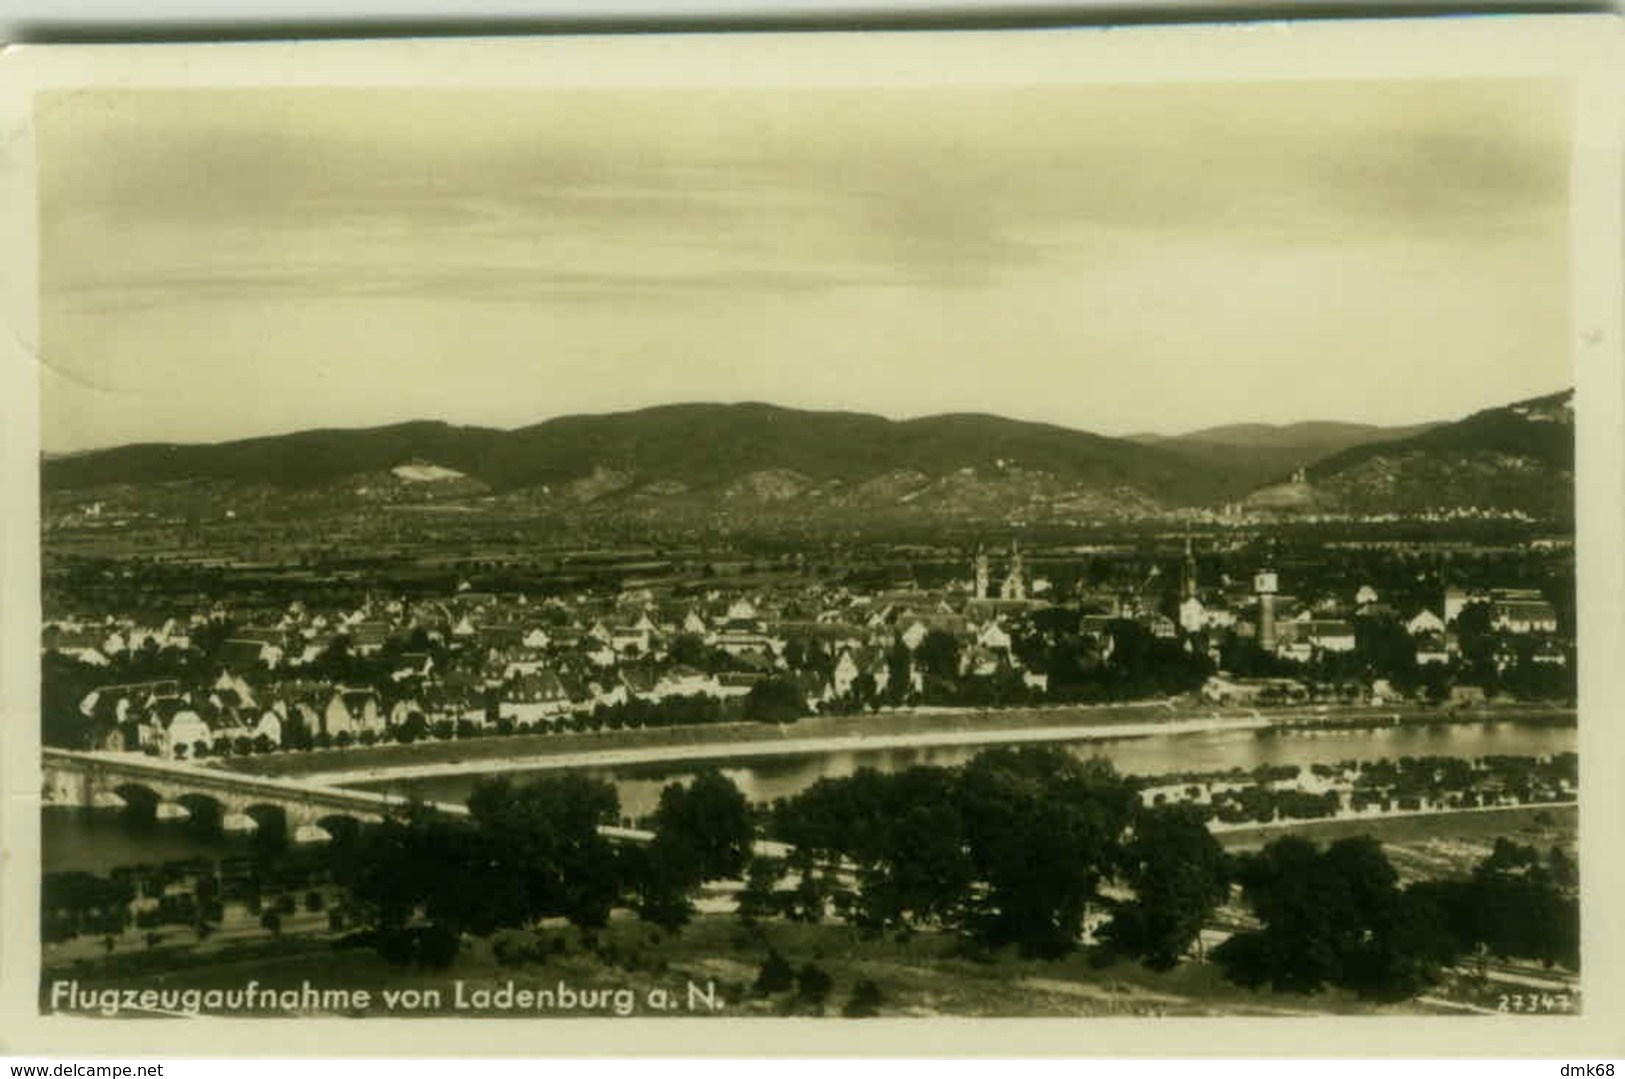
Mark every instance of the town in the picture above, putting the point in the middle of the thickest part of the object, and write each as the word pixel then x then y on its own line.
pixel 1214 620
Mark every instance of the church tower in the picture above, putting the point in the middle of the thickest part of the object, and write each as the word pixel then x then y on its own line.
pixel 980 585
pixel 1015 582
pixel 1192 615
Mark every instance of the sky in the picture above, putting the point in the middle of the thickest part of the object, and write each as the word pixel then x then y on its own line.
pixel 226 263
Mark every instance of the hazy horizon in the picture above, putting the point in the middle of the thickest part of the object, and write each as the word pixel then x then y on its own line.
pixel 1120 259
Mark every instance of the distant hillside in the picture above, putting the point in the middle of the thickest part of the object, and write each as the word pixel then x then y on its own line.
pixel 1519 456
pixel 305 459
pixel 688 455
pixel 702 465
pixel 1240 457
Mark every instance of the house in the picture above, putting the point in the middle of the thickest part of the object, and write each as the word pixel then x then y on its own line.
pixel 269 726
pixel 1192 615
pixel 1549 654
pixel 1524 616
pixel 240 655
pixel 352 710
pixel 1331 635
pixel 994 637
pixel 413 665
pixel 854 663
pixel 1425 622
pixel 684 681
pixel 1431 649
pixel 739 641
pixel 1301 637
pixel 367 638
pixel 1223 689
pixel 237 685
pixel 538 687
pixel 731 684
pixel 1161 626
pixel 185 728
pixel 637 682
pixel 80 644
pixel 540 697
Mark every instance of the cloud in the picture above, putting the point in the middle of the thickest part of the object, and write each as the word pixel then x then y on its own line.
pixel 950 233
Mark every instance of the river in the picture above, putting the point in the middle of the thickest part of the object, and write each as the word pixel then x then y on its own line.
pixel 767 778
pixel 98 840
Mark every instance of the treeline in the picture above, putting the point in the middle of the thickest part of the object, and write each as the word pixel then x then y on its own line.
pixel 529 853
pixel 1029 847
pixel 1014 849
pixel 1338 917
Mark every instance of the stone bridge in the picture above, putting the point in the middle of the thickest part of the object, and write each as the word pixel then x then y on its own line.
pixel 238 803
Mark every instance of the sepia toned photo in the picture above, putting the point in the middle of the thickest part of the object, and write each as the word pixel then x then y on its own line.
pixel 821 530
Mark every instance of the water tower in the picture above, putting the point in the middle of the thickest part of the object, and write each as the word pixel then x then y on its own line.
pixel 1265 585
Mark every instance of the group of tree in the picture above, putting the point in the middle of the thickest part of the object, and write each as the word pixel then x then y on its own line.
pixel 1338 917
pixel 530 852
pixel 1009 850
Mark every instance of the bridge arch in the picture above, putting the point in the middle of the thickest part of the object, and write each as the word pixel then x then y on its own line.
pixel 140 801
pixel 208 813
pixel 344 828
pixel 272 823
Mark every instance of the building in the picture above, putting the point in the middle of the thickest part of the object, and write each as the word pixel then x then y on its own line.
pixel 1014 586
pixel 1425 623
pixel 1265 587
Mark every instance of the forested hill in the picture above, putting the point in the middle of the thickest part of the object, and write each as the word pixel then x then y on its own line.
pixel 757 461
pixel 1240 457
pixel 1515 457
pixel 701 447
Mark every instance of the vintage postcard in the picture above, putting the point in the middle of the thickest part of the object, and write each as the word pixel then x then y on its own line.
pixel 1048 541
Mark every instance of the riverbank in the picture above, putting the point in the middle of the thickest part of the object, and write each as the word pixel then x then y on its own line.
pixel 785 747
pixel 566 743
pixel 900 729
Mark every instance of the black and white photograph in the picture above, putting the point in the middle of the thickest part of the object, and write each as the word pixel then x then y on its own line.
pixel 921 528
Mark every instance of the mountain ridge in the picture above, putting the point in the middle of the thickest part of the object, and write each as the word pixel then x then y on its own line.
pixel 699 457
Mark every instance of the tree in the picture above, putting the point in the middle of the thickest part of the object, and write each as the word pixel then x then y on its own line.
pixel 774 976
pixel 1043 829
pixel 899 672
pixel 775 700
pixel 536 852
pixel 813 987
pixel 758 898
pixel 705 827
pixel 689 650
pixel 1333 917
pixel 864 1002
pixel 414 728
pixel 1179 874
pixel 938 655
